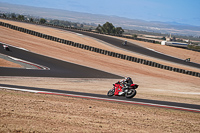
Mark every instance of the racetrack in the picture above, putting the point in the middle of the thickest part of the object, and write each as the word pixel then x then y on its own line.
pixel 135 48
pixel 64 107
pixel 58 68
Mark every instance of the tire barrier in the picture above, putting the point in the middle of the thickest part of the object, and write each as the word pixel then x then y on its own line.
pixel 100 51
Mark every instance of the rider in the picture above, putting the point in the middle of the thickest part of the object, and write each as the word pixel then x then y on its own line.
pixel 187 60
pixel 124 43
pixel 5 46
pixel 127 83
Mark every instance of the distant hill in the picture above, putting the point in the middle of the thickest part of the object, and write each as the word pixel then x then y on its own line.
pixel 136 24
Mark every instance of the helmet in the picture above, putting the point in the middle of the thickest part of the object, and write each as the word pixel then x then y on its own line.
pixel 127 78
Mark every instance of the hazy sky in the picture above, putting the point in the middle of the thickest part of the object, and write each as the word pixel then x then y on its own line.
pixel 180 11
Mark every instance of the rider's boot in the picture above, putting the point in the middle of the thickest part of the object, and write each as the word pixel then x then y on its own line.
pixel 121 93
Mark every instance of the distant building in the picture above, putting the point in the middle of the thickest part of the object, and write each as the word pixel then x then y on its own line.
pixel 163 42
pixel 174 44
pixel 170 38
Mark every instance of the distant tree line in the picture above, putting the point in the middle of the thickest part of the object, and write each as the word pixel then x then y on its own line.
pixel 21 17
pixel 89 26
pixel 108 28
pixel 63 23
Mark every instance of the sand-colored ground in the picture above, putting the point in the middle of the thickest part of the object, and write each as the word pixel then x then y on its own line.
pixel 5 63
pixel 27 112
pixel 60 114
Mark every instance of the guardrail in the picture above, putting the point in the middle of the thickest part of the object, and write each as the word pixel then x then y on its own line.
pixel 101 51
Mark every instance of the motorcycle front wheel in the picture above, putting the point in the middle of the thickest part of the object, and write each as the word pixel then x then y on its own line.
pixel 131 93
pixel 110 93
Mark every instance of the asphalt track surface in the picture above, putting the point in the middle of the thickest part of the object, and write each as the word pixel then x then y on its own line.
pixel 136 48
pixel 138 101
pixel 58 68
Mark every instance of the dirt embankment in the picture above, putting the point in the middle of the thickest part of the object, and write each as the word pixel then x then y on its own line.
pixel 27 112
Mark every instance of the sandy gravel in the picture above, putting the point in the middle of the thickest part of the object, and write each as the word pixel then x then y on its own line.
pixel 43 113
pixel 27 112
pixel 5 63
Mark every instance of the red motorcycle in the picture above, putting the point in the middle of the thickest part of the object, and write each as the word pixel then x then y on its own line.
pixel 128 92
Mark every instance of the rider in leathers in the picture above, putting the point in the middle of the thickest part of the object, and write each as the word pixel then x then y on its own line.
pixel 5 46
pixel 127 83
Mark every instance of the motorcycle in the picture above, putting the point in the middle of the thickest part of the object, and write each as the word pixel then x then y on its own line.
pixel 6 47
pixel 124 43
pixel 128 92
pixel 187 60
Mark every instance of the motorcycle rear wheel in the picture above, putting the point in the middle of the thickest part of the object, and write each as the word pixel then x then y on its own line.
pixel 110 93
pixel 131 93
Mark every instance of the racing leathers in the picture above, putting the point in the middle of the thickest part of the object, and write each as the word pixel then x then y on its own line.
pixel 127 83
